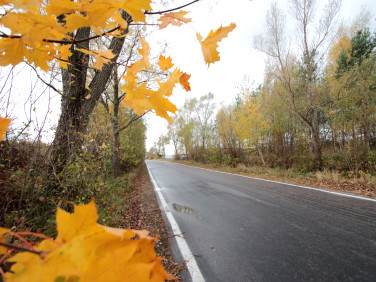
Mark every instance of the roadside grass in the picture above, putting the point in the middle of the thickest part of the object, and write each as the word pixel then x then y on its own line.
pixel 361 184
pixel 111 200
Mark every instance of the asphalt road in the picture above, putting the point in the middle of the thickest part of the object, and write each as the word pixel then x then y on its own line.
pixel 242 229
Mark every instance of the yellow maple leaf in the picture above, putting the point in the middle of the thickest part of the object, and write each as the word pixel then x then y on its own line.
pixel 3 250
pixel 103 57
pixel 167 87
pixel 86 51
pixel 87 251
pixel 40 56
pixel 210 44
pixel 120 21
pixel 162 105
pixel 174 18
pixel 135 8
pixel 99 12
pixel 4 124
pixel 11 51
pixel 59 7
pixel 75 21
pixel 165 63
pixel 144 52
pixel 64 54
pixel 23 4
pixel 137 98
pixel 135 68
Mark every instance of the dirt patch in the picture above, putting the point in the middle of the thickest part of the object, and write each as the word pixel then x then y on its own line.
pixel 144 213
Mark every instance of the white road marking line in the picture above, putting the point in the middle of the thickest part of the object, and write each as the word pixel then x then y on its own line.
pixel 191 263
pixel 294 185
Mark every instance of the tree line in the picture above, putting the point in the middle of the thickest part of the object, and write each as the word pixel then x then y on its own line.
pixel 316 108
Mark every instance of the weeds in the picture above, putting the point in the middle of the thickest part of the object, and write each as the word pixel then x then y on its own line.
pixel 362 182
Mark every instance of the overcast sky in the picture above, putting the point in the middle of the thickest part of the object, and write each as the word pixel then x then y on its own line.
pixel 238 57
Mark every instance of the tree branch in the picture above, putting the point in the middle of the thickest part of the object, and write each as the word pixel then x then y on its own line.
pixel 64 41
pixel 135 118
pixel 170 10
pixel 48 84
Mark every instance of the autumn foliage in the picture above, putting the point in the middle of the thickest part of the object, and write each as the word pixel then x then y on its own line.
pixel 42 33
pixel 87 251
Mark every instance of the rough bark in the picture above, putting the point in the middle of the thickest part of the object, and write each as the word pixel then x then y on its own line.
pixel 75 108
pixel 116 129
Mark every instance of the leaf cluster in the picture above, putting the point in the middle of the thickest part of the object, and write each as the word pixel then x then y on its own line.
pixel 87 251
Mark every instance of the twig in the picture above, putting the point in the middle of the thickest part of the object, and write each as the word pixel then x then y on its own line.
pixel 48 84
pixel 170 10
pixel 64 41
pixel 3 275
pixel 10 246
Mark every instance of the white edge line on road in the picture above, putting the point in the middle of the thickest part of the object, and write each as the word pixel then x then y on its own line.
pixel 191 263
pixel 305 187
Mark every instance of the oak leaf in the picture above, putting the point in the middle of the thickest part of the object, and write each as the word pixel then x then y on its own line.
pixel 174 18
pixel 210 44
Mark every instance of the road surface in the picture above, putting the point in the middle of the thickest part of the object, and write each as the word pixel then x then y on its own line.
pixel 243 229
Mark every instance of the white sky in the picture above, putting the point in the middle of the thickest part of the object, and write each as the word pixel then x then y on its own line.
pixel 238 58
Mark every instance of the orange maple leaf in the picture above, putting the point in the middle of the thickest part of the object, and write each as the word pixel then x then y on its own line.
pixel 4 123
pixel 174 18
pixel 183 80
pixel 210 44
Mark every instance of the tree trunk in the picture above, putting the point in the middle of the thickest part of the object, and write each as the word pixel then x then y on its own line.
pixel 316 146
pixel 116 129
pixel 261 155
pixel 76 105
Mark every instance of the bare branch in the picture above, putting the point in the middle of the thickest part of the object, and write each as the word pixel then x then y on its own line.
pixel 46 83
pixel 170 10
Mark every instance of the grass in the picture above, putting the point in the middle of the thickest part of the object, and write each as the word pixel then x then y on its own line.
pixel 111 201
pixel 362 183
